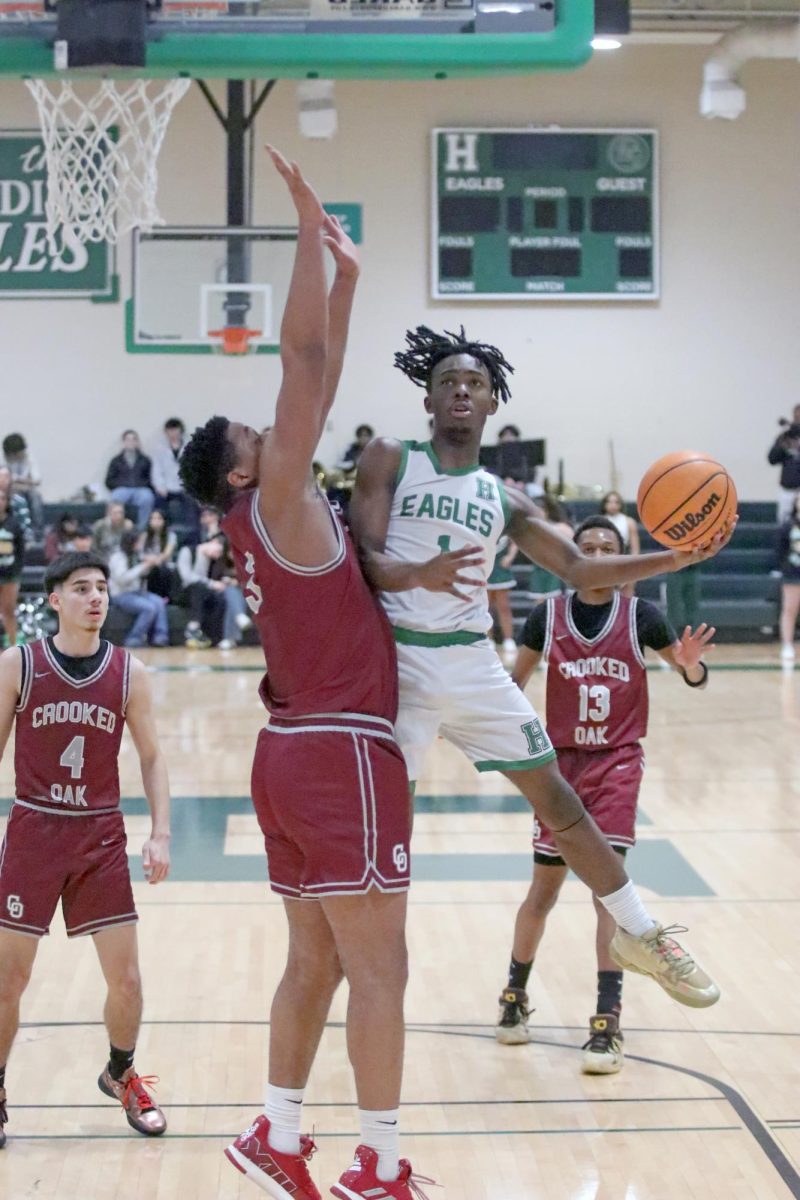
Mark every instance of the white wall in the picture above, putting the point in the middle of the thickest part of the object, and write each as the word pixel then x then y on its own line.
pixel 710 366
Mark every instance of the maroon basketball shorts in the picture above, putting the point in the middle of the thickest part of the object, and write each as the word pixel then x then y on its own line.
pixel 607 782
pixel 332 798
pixel 80 860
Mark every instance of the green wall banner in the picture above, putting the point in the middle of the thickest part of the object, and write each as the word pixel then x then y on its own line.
pixel 350 219
pixel 29 268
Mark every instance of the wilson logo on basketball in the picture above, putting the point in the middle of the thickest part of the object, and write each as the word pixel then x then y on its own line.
pixel 692 520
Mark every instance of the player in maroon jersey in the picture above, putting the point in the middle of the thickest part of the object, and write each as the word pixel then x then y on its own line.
pixel 597 706
pixel 329 783
pixel 71 696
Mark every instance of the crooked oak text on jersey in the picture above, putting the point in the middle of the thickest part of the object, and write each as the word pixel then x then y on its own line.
pixel 67 747
pixel 596 687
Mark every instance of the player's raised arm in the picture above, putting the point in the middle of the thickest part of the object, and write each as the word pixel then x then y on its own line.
pixel 559 554
pixel 141 722
pixel 288 452
pixel 10 673
pixel 340 306
pixel 370 509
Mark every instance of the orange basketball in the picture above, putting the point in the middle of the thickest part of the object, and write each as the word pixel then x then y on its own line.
pixel 685 498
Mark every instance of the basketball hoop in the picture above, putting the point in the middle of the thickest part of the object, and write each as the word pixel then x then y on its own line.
pixel 102 153
pixel 234 339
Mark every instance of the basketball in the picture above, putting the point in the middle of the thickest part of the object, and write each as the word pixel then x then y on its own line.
pixel 685 498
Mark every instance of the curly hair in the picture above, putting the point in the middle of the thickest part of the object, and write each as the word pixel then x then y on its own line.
pixel 425 349
pixel 204 465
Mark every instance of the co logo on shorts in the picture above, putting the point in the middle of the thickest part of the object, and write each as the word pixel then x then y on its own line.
pixel 15 907
pixel 400 858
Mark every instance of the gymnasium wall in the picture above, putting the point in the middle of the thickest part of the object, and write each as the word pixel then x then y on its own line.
pixel 710 366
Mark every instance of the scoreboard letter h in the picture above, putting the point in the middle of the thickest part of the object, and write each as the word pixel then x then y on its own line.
pixel 461 152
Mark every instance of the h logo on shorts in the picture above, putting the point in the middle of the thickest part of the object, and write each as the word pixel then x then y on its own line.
pixel 400 858
pixel 15 907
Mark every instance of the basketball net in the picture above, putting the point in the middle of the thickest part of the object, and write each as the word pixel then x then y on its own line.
pixel 101 154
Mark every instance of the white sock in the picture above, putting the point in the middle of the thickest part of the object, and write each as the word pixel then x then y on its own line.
pixel 284 1109
pixel 628 911
pixel 380 1130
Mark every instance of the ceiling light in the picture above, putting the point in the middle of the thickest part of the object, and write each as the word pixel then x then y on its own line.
pixel 606 43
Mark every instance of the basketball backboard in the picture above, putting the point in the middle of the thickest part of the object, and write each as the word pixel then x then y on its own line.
pixel 189 283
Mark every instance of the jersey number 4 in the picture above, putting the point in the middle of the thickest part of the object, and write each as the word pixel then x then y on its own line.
pixel 72 758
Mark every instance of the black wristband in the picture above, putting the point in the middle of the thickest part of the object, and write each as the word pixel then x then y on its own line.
pixel 699 682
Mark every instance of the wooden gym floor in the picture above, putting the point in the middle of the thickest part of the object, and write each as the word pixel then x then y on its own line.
pixel 708 1105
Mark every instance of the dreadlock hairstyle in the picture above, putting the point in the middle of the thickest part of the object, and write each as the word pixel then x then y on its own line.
pixel 426 349
pixel 204 465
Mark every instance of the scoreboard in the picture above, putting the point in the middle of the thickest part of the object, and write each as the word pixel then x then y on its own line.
pixel 545 214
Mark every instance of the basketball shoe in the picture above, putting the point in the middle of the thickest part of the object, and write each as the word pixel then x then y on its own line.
pixel 282 1176
pixel 142 1112
pixel 512 1024
pixel 657 954
pixel 361 1180
pixel 603 1053
pixel 3 1117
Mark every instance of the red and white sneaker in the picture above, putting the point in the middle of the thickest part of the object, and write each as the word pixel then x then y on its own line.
pixel 282 1176
pixel 361 1180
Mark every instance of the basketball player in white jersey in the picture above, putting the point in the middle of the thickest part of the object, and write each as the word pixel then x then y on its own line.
pixel 427 519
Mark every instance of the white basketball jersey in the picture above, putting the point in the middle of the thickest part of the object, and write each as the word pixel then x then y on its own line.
pixel 435 510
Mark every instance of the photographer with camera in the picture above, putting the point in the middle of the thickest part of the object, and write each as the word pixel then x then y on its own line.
pixel 786 451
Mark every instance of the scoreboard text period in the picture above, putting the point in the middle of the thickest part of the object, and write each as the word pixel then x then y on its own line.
pixel 545 214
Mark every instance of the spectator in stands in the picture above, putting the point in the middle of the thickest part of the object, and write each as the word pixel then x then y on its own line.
pixel 789 555
pixel 202 593
pixel 83 538
pixel 128 478
pixel 542 583
pixel 179 508
pixel 613 506
pixel 107 532
pixel 17 504
pixel 509 433
pixel 785 452
pixel 128 571
pixel 160 544
pixel 26 479
pixel 236 616
pixel 58 537
pixel 349 460
pixel 12 553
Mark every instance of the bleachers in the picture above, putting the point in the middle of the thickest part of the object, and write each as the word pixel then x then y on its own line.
pixel 738 593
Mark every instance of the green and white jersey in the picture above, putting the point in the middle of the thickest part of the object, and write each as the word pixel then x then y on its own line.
pixel 435 510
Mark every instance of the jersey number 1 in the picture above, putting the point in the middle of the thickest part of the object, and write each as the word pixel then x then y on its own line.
pixel 73 757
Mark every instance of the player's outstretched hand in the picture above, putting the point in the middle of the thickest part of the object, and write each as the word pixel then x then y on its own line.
pixel 444 572
pixel 341 247
pixel 155 858
pixel 688 558
pixel 688 650
pixel 306 200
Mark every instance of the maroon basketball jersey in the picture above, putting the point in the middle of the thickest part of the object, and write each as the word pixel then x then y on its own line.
pixel 596 688
pixel 69 731
pixel 328 645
